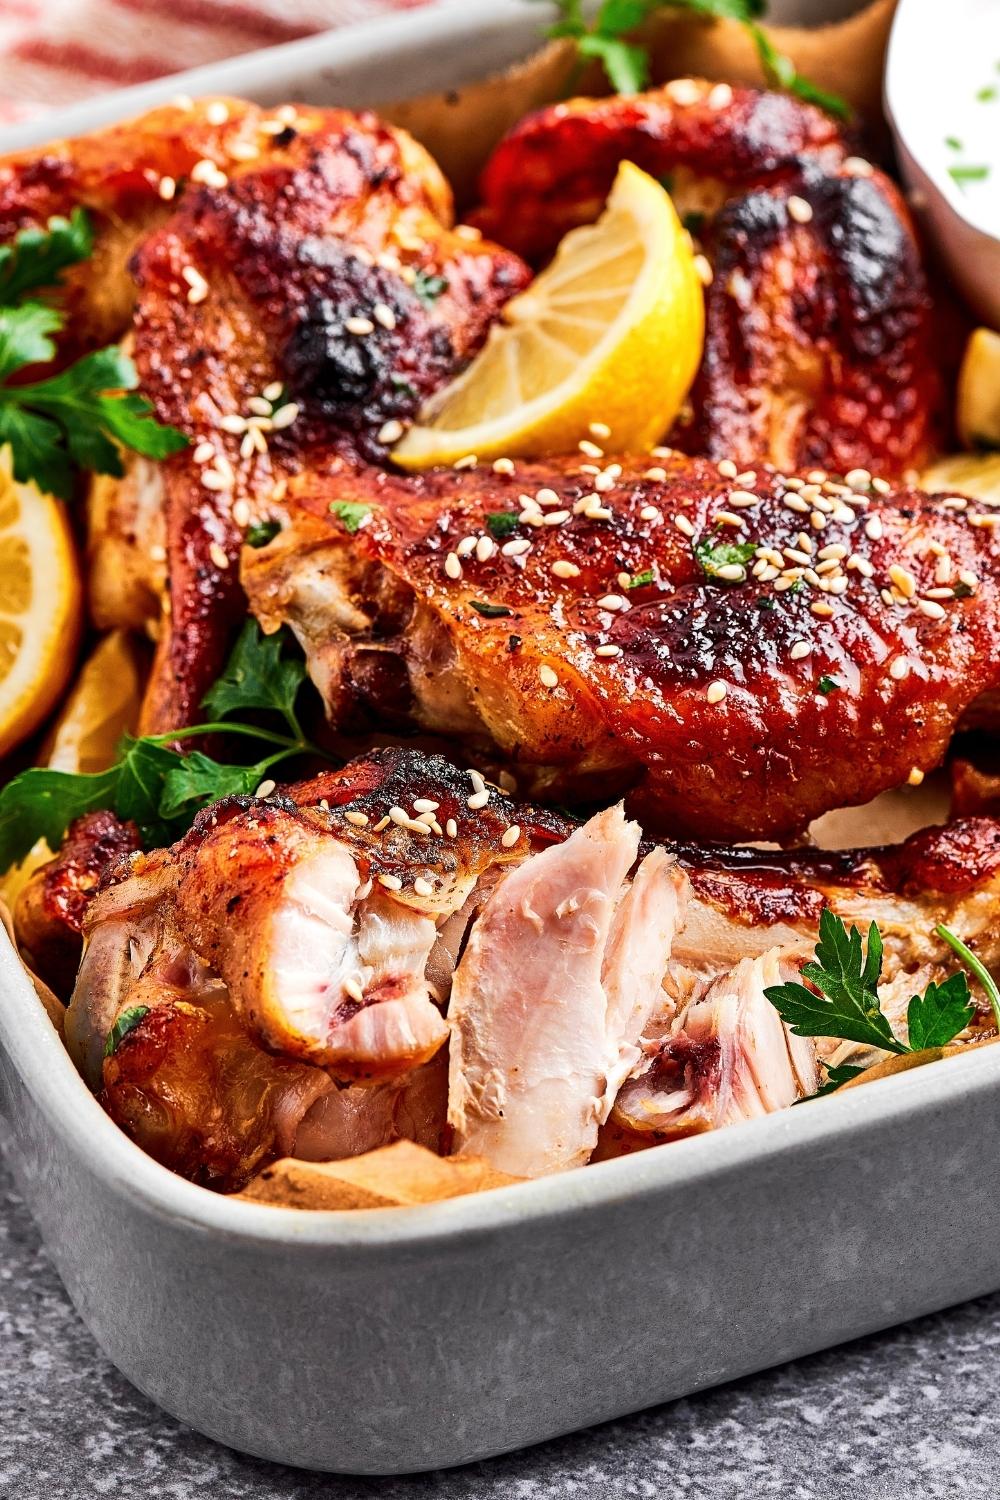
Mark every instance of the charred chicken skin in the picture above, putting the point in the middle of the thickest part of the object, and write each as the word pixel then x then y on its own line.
pixel 737 653
pixel 817 345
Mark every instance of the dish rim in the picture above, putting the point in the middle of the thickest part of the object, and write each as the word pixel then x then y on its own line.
pixel 37 1052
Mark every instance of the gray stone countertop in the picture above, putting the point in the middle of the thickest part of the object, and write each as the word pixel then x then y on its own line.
pixel 913 1414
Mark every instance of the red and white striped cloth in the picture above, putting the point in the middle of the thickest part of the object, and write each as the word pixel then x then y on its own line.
pixel 54 52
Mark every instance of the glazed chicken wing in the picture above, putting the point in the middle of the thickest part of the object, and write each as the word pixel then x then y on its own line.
pixel 314 262
pixel 737 653
pixel 817 347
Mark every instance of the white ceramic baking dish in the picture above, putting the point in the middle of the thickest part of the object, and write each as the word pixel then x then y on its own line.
pixel 395 1340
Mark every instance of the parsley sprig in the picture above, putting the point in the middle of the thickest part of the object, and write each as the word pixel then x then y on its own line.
pixel 845 1002
pixel 626 62
pixel 81 417
pixel 157 786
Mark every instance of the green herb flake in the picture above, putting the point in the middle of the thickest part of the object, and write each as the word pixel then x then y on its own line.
pixel 490 611
pixel 428 287
pixel 261 533
pixel 827 685
pixel 500 523
pixel 953 142
pixel 351 512
pixel 715 555
pixel 126 1022
pixel 964 174
pixel 987 94
pixel 641 580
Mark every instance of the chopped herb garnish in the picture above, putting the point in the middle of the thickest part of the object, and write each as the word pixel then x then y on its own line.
pixel 491 611
pixel 351 512
pixel 126 1022
pixel 404 387
pixel 500 523
pixel 429 287
pixel 261 533
pixel 953 142
pixel 962 174
pixel 987 94
pixel 827 685
pixel 963 590
pixel 836 1075
pixel 715 555
pixel 846 975
pixel 640 580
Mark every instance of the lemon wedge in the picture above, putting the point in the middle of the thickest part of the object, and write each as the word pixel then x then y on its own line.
pixel 102 705
pixel 978 396
pixel 610 334
pixel 40 603
pixel 975 474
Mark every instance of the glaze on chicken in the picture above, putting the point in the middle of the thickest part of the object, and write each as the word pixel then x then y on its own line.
pixel 818 340
pixel 606 641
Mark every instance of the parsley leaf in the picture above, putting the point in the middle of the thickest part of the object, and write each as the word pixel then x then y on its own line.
pixel 500 523
pixel 261 533
pixel 351 512
pixel 715 555
pixel 640 580
pixel 38 257
pixel 127 1021
pixel 836 1075
pixel 490 611
pixel 258 674
pixel 937 1016
pixel 80 417
pixel 198 780
pixel 827 685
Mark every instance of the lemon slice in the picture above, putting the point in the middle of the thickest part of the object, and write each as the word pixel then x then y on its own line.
pixel 975 474
pixel 102 705
pixel 978 397
pixel 39 605
pixel 610 333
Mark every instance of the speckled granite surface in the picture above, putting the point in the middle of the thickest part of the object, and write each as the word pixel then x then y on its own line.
pixel 913 1413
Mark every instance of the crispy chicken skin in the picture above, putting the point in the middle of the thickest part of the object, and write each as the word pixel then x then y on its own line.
pixel 49 913
pixel 732 709
pixel 817 320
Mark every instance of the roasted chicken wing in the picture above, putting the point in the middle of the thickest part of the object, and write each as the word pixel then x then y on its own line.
pixel 817 321
pixel 736 652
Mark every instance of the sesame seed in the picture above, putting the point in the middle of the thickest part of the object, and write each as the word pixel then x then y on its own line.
pixel 564 569
pixel 793 502
pixel 941 593
pixel 604 481
pixel 391 431
pixel 218 556
pixel 285 415
pixel 703 270
pixel 860 565
pixel 166 188
pixel 197 285
pixel 609 650
pixel 363 891
pixel 266 788
pixel 224 467
pixel 260 406
pixel 208 174
pixel 244 151
pixel 650 513
pixel 544 497
pixel 358 819
pixel 241 512
pixel 391 882
pixel 511 836
pixel 352 986
pixel 684 91
pixel 728 518
pixel 546 675
pixel 749 476
pixel 467 461
pixel 590 449
pixel 794 483
pixel 466 545
pixel 915 777
pixel 843 513
pixel 383 314
pixel 612 601
pixel 204 452
pixel 829 565
pixel 359 326
pixel 720 97
pixel 248 446
pixel 478 800
pixel 272 390
pixel 531 516
pixel 382 823
pixel 836 550
pixel 683 524
pixel 213 480
pixel 517 548
pixel 503 466
pixel 655 473
pixel 980 518
pixel 969 578
pixel 931 609
pixel 741 498
pixel 599 430
pixel 798 556
pixel 485 548
pixel 858 479
pixel 233 422
pixel 422 887
pixel 400 816
pixel 955 502
pixel 452 566
pixel 899 668
pixel 451 828
pixel 838 585
pixel 873 528
pixel 800 650
pixel 856 166
pixel 425 805
pixel 217 112
pixel 715 692
pixel 732 572
pixel 598 513
pixel 903 580
pixel 887 597
pixel 157 553
pixel 799 209
pixel 557 517
pixel 727 468
pixel 624 580
pixel 821 608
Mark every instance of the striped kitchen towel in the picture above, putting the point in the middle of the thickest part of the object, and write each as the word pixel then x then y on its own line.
pixel 54 52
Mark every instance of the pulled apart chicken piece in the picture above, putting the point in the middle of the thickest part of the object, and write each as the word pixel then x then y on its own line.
pixel 818 339
pixel 773 652
pixel 728 1057
pixel 283 948
pixel 561 971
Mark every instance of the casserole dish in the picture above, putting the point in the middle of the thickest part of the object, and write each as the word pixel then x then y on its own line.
pixel 387 1343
